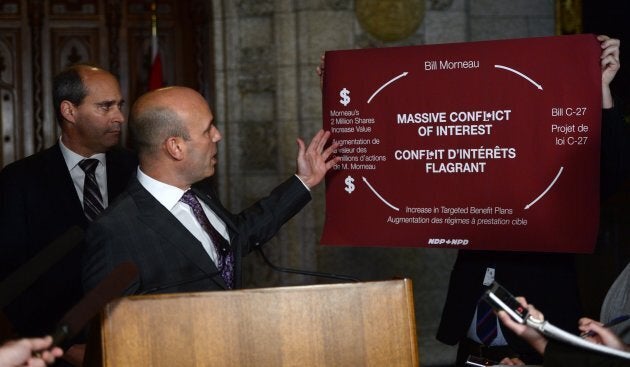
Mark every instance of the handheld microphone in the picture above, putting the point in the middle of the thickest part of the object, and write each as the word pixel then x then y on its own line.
pixel 305 272
pixel 22 278
pixel 111 287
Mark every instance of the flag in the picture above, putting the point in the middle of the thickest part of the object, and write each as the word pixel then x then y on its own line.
pixel 155 73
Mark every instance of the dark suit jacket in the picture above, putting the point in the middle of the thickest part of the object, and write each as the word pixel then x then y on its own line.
pixel 38 203
pixel 170 259
pixel 548 281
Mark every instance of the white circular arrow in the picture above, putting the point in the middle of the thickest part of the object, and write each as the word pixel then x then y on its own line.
pixel 544 192
pixel 520 74
pixel 378 195
pixel 386 84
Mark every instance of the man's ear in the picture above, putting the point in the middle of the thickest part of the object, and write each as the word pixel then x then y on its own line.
pixel 175 147
pixel 68 111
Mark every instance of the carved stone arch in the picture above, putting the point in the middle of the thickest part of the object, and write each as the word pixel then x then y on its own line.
pixel 6 62
pixel 8 108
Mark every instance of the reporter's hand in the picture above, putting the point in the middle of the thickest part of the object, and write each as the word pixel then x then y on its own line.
pixel 532 336
pixel 512 362
pixel 603 335
pixel 17 353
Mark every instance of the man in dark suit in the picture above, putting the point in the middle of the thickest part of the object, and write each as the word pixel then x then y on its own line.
pixel 41 196
pixel 169 222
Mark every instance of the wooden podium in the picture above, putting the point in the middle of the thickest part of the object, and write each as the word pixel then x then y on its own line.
pixel 350 324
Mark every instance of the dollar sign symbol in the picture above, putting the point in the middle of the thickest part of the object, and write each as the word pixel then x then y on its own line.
pixel 345 97
pixel 349 184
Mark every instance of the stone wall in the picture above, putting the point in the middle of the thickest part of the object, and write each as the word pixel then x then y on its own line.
pixel 267 94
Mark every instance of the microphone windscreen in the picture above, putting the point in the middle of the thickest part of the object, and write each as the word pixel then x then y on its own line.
pixel 111 287
pixel 18 281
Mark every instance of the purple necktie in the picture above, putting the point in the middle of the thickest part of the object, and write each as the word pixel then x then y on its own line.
pixel 222 247
pixel 92 200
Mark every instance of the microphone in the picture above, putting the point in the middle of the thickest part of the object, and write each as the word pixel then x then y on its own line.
pixel 305 272
pixel 267 261
pixel 111 287
pixel 180 282
pixel 22 278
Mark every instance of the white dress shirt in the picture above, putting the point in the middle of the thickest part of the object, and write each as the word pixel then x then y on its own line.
pixel 78 176
pixel 169 197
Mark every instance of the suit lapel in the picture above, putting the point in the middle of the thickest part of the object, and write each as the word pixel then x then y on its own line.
pixel 119 170
pixel 57 178
pixel 216 207
pixel 159 219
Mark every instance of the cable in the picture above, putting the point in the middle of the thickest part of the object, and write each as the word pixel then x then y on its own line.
pixel 305 272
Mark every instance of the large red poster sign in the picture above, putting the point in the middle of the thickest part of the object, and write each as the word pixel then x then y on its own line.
pixel 481 145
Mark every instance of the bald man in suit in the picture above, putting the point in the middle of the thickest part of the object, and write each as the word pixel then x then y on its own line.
pixel 41 196
pixel 153 226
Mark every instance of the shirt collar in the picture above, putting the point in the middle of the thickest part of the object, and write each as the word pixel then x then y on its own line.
pixel 72 159
pixel 166 194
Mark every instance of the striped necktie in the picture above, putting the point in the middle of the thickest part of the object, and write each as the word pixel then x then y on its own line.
pixel 92 200
pixel 486 323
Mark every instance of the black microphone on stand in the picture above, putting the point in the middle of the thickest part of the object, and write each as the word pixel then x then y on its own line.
pixel 305 272
pixel 180 283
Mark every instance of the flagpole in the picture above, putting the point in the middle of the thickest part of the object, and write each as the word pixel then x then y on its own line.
pixel 154 39
pixel 156 79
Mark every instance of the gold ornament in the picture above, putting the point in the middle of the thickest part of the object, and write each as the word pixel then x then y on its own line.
pixel 389 20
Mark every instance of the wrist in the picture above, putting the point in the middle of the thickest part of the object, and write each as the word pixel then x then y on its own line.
pixel 303 181
pixel 540 345
pixel 607 99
